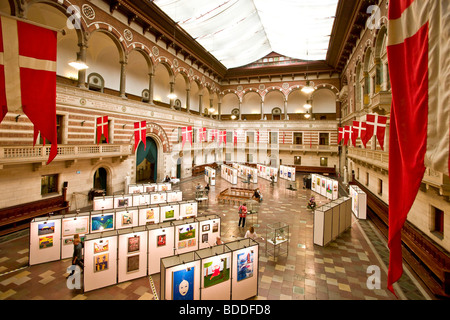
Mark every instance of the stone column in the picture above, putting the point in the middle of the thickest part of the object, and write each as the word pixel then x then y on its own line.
pixel 285 110
pixel 81 56
pixel 219 111
pixel 123 76
pixel 240 113
pixel 172 87
pixel 211 104
pixel 188 100
pixel 150 87
pixel 200 104
pixel 262 110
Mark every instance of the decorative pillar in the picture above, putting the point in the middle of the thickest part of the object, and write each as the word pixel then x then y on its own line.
pixel 123 76
pixel 240 113
pixel 219 111
pixel 81 56
pixel 262 110
pixel 188 100
pixel 150 87
pixel 210 106
pixel 285 110
pixel 200 104
pixel 172 87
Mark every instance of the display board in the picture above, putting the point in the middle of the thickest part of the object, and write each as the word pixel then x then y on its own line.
pixel 325 186
pixel 244 170
pixel 132 262
pixel 136 199
pixel 180 277
pixel 186 235
pixel 149 214
pixel 267 172
pixel 209 230
pixel 149 187
pixel 136 188
pixel 359 201
pixel 210 176
pixel 158 197
pixel 72 224
pixel 160 244
pixel 174 196
pixel 169 212
pixel 215 283
pixel 228 173
pixel 100 260
pixel 126 218
pixel 335 219
pixel 103 203
pixel 102 221
pixel 188 209
pixel 287 173
pixel 140 199
pixel 45 240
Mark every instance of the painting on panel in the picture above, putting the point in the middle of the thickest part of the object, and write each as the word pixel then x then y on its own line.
pixel 215 272
pixel 101 246
pixel 45 242
pixel 104 222
pixel 46 228
pixel 133 244
pixel 133 263
pixel 101 262
pixel 161 240
pixel 183 284
pixel 244 265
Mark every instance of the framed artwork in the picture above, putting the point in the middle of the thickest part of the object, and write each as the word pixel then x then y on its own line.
pixel 68 241
pixel 204 237
pixel 170 214
pixel 104 222
pixel 189 210
pixel 186 233
pixel 74 226
pixel 122 203
pixel 215 227
pixel 45 242
pixel 244 265
pixel 182 244
pixel 150 189
pixel 134 244
pixel 150 214
pixel 329 188
pixel 183 284
pixel 133 263
pixel 46 228
pixel 101 262
pixel 191 243
pixel 127 218
pixel 206 227
pixel 101 246
pixel 215 272
pixel 161 240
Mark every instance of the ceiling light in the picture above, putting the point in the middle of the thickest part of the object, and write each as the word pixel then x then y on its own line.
pixel 233 116
pixel 307 115
pixel 308 88
pixel 307 105
pixel 79 65
pixel 171 96
pixel 211 110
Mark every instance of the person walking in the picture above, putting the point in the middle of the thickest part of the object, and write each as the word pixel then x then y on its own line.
pixel 242 215
pixel 77 258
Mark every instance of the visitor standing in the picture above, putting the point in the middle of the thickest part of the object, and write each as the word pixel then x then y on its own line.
pixel 77 258
pixel 242 215
pixel 251 233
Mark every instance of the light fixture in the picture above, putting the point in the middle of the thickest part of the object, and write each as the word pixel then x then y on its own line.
pixel 307 115
pixel 308 88
pixel 79 65
pixel 307 105
pixel 233 116
pixel 171 96
pixel 211 110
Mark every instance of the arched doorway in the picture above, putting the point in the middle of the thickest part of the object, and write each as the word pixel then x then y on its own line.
pixel 100 179
pixel 147 161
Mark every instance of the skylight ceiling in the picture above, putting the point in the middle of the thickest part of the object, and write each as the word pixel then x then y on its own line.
pixel 238 32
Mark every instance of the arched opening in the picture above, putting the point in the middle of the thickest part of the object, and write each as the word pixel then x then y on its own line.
pixel 100 179
pixel 147 161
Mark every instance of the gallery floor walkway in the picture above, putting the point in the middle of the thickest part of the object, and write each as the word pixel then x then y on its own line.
pixel 308 272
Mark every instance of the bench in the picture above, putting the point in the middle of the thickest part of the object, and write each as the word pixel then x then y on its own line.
pixel 235 195
pixel 18 217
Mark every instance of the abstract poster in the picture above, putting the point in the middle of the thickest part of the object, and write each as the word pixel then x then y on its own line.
pixel 101 246
pixel 161 240
pixel 183 284
pixel 134 244
pixel 104 222
pixel 45 242
pixel 133 263
pixel 101 262
pixel 215 272
pixel 46 228
pixel 244 265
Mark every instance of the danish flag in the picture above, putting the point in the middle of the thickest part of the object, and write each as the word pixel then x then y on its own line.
pixel 341 134
pixel 140 133
pixel 102 128
pixel 358 131
pixel 376 125
pixel 202 134
pixel 28 76
pixel 347 133
pixel 223 137
pixel 186 134
pixel 235 138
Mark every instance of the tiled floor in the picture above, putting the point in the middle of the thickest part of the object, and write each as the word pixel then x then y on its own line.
pixel 308 272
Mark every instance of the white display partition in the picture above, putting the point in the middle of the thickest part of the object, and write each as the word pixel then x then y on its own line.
pixel 72 224
pixel 158 197
pixel 45 240
pixel 244 170
pixel 174 196
pixel 101 221
pixel 347 205
pixel 141 199
pixel 244 268
pixel 122 201
pixel 210 176
pixel 180 277
pixel 266 172
pixel 149 214
pixel 323 221
pixel 228 173
pixel 209 230
pixel 325 186
pixel 186 235
pixel 150 187
pixel 335 219
pixel 103 203
pixel 215 282
pixel 133 255
pixel 136 188
pixel 359 201
pixel 169 212
pixel 342 215
pixel 188 209
pixel 287 172
pixel 100 260
pixel 160 244
pixel 127 217
pixel 165 186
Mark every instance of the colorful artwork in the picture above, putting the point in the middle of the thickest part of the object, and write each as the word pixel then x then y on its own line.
pixel 46 228
pixel 170 214
pixel 103 222
pixel 133 263
pixel 205 238
pixel 134 244
pixel 244 265
pixel 189 210
pixel 182 244
pixel 150 189
pixel 185 233
pixel 127 218
pixel 192 243
pixel 101 246
pixel 215 227
pixel 161 240
pixel 68 241
pixel 215 272
pixel 101 262
pixel 122 203
pixel 183 284
pixel 329 188
pixel 150 214
pixel 206 227
pixel 45 242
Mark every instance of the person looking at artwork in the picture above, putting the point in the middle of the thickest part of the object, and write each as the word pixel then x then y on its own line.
pixel 242 215
pixel 207 187
pixel 218 241
pixel 251 233
pixel 77 258
pixel 257 195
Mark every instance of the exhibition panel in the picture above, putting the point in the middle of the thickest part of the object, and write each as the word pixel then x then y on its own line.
pixel 169 212
pixel 158 197
pixel 323 220
pixel 103 203
pixel 188 209
pixel 127 217
pixel 210 176
pixel 73 224
pixel 132 261
pixel 102 221
pixel 244 171
pixel 228 173
pixel 100 260
pixel 287 172
pixel 174 196
pixel 209 227
pixel 136 188
pixel 359 201
pixel 325 186
pixel 267 172
pixel 148 214
pixel 140 199
pixel 45 240
pixel 161 243
pixel 186 235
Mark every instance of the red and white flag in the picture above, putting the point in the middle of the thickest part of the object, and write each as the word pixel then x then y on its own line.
pixel 418 53
pixel 213 135
pixel 359 131
pixel 102 128
pixel 347 132
pixel 202 134
pixel 257 136
pixel 222 137
pixel 186 134
pixel 235 138
pixel 140 133
pixel 376 125
pixel 340 134
pixel 28 76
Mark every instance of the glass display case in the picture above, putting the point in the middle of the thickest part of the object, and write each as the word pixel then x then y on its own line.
pixel 277 239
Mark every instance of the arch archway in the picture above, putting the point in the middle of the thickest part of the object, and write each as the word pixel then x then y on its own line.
pixel 100 179
pixel 147 161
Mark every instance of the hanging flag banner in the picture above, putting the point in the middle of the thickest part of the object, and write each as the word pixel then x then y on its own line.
pixel 186 134
pixel 140 133
pixel 347 132
pixel 340 134
pixel 358 131
pixel 376 125
pixel 235 138
pixel 102 128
